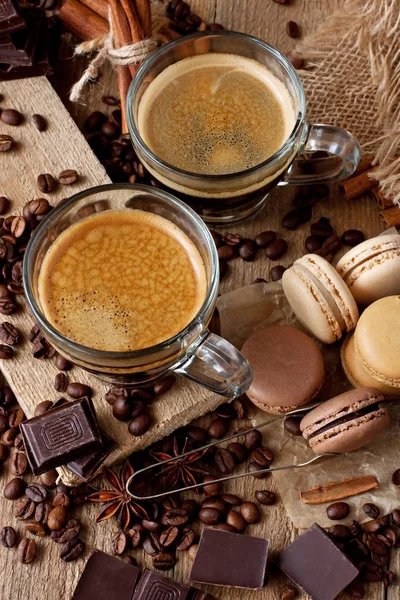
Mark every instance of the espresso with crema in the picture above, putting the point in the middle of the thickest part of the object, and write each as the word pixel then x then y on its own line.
pixel 122 281
pixel 215 114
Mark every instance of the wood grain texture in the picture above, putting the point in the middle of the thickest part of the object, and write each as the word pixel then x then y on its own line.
pixel 50 578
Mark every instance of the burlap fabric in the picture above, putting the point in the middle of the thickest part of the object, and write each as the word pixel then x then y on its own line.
pixel 352 79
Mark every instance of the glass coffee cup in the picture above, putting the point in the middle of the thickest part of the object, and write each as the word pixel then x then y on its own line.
pixel 312 153
pixel 193 352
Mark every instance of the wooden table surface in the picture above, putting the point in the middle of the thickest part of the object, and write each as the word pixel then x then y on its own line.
pixel 48 577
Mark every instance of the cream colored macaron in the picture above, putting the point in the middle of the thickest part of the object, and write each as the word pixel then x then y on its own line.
pixel 372 269
pixel 319 298
pixel 377 340
pixel 355 371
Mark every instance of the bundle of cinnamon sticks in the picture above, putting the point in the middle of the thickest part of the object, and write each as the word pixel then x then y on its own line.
pixel 89 19
pixel 362 182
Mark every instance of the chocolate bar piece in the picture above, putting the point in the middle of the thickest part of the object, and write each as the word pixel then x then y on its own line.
pixel 317 565
pixel 106 577
pixel 19 49
pixel 10 17
pixel 61 435
pixel 154 586
pixel 86 466
pixel 230 559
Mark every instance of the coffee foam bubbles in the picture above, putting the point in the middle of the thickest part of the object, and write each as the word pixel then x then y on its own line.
pixel 122 281
pixel 215 114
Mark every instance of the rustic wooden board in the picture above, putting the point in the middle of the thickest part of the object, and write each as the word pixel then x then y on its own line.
pixel 266 19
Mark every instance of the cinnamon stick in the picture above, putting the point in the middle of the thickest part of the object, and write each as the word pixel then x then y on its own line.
pixel 82 21
pixel 364 164
pixel 336 490
pixel 355 186
pixel 98 6
pixel 391 216
pixel 382 200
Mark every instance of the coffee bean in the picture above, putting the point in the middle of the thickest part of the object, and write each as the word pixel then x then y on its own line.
pixel 43 407
pixel 338 511
pixel 175 516
pixel 395 517
pixel 321 229
pixel 78 390
pixel 277 272
pixel 68 177
pixel 250 512
pixel 254 467
pixel 292 29
pixel 8 537
pixel 57 518
pixel 62 363
pixel 225 411
pixel 217 237
pixel 192 551
pixel 373 526
pixel 291 220
pixel 265 497
pixel 9 436
pixel 313 243
pixel 140 425
pixel 10 116
pixel 376 545
pixel 16 417
pixel 164 384
pixel 215 502
pixel 95 120
pixel 135 534
pixel 36 529
pixel 262 456
pixel 371 572
pixel 247 250
pixel 236 520
pixel 305 213
pixel 231 499
pixel 252 439
pixel 19 464
pixel 223 269
pixel 119 543
pixel 65 534
pixel 9 334
pixel 258 280
pixel 276 249
pixel 396 478
pixel 6 352
pixel 226 252
pixel 26 551
pixel 287 592
pixel 114 393
pixel 218 429
pixel 4 202
pixel 149 546
pixel 42 512
pixel 209 516
pixel 60 382
pixel 240 408
pixel 232 239
pixel 371 510
pixel 163 561
pixel 19 443
pixel 151 525
pixel 224 461
pixel 198 434
pixel 238 451
pixel 169 536
pixel 3 424
pixel 3 452
pixel 121 408
pixel 36 492
pixel 6 143
pixel 40 122
pixel 46 183
pixel 14 489
pixel 353 237
pixel 355 528
pixel 211 489
pixel 187 539
pixel 340 532
pixel 292 425
pixel 110 130
pixel 24 509
pixel 72 550
pixel 265 238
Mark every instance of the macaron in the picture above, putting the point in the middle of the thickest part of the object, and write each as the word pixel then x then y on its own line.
pixel 347 422
pixel 288 368
pixel 377 340
pixel 320 299
pixel 355 371
pixel 372 269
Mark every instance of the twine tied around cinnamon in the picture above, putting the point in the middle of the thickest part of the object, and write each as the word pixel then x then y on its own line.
pixel 131 54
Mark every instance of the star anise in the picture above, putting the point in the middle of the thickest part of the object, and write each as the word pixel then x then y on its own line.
pixel 117 501
pixel 182 471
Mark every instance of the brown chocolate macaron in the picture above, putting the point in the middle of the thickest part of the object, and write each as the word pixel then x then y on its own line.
pixel 347 422
pixel 288 368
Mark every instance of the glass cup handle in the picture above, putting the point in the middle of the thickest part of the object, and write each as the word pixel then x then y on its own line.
pixel 344 151
pixel 218 366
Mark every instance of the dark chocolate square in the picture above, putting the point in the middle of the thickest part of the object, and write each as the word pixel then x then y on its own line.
pixel 61 435
pixel 10 17
pixel 155 586
pixel 86 466
pixel 106 578
pixel 230 559
pixel 317 565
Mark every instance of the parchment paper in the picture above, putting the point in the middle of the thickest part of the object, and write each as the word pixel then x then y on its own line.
pixel 254 307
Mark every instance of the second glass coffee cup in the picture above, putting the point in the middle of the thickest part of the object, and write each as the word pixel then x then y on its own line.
pixel 311 153
pixel 194 352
